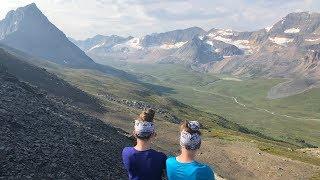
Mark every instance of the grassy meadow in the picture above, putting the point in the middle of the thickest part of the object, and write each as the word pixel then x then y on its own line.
pixel 295 119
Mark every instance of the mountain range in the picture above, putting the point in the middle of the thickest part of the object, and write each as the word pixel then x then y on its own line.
pixel 287 49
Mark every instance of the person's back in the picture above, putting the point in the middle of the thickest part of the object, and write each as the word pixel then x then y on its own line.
pixel 193 170
pixel 142 162
pixel 144 165
pixel 184 166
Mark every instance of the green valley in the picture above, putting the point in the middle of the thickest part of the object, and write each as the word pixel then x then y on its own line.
pixel 294 119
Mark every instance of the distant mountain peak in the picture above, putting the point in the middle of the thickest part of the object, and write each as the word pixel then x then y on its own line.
pixel 29 30
pixel 32 8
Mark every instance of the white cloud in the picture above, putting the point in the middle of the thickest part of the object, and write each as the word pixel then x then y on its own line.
pixel 82 18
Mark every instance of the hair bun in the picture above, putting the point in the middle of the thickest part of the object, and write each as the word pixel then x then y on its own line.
pixel 194 125
pixel 147 115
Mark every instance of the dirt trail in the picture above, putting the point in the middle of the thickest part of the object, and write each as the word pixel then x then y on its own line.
pixel 231 160
pixel 255 108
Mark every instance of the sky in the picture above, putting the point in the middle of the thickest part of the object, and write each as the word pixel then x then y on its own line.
pixel 81 19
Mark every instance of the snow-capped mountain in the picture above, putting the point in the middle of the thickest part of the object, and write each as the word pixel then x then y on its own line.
pixel 288 48
pixel 28 30
pixel 280 49
pixel 187 46
pixel 100 41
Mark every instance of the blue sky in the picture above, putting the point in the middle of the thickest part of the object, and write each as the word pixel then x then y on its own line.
pixel 85 18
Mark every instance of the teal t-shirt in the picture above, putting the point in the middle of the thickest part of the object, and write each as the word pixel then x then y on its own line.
pixel 189 171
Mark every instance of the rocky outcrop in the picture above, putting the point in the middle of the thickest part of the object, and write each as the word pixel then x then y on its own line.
pixel 142 106
pixel 44 139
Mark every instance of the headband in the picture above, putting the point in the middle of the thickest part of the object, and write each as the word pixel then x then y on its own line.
pixel 143 128
pixel 188 140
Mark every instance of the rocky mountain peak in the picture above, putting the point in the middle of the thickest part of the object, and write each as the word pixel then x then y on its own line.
pixel 30 7
pixel 297 23
pixel 29 30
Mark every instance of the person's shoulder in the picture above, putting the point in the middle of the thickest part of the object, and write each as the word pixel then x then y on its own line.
pixel 205 169
pixel 128 150
pixel 171 159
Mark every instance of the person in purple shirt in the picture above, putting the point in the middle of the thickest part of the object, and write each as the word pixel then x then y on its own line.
pixel 140 161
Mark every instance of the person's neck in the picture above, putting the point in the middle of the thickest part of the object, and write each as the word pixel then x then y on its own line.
pixel 143 145
pixel 186 156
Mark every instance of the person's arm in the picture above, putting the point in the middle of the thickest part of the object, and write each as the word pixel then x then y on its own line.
pixel 125 160
pixel 205 173
pixel 164 173
pixel 211 173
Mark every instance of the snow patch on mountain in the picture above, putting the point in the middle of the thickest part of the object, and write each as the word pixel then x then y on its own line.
pixel 312 40
pixel 223 39
pixel 281 40
pixel 173 46
pixel 268 28
pixel 217 50
pixel 222 32
pixel 209 42
pixel 241 43
pixel 97 46
pixel 292 30
pixel 134 43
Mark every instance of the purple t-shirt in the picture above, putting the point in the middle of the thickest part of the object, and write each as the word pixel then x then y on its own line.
pixel 144 165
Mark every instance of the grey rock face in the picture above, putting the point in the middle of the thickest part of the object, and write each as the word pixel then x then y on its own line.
pixel 172 36
pixel 307 23
pixel 194 52
pixel 28 30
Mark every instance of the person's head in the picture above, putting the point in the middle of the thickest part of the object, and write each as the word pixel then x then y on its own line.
pixel 144 128
pixel 190 137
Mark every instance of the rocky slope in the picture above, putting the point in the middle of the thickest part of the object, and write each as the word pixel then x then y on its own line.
pixel 49 82
pixel 41 138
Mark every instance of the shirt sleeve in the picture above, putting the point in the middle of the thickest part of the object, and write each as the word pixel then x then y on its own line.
pixel 125 159
pixel 210 174
pixel 205 173
pixel 164 161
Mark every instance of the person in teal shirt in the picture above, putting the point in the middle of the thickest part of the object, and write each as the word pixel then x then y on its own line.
pixel 184 167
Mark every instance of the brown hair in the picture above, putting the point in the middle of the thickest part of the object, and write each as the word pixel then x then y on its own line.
pixel 147 115
pixel 185 127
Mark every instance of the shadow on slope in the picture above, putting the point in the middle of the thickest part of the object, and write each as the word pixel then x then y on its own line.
pixel 108 70
pixel 44 139
pixel 51 83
